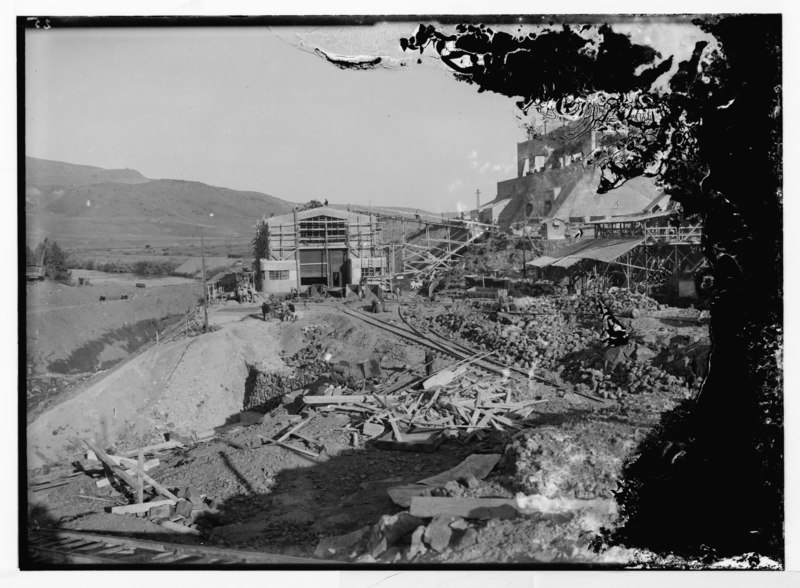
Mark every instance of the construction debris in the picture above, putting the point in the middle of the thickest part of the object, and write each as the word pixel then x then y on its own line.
pixel 476 466
pixel 468 508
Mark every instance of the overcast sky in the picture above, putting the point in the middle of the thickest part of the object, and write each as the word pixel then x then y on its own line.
pixel 254 109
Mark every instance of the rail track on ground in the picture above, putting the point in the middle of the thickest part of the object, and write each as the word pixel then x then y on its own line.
pixel 445 346
pixel 57 547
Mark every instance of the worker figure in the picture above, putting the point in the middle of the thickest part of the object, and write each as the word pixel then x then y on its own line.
pixel 615 334
pixel 502 304
pixel 265 310
pixel 291 310
pixel 283 310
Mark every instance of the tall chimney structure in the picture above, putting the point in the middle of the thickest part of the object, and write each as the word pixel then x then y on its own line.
pixel 477 199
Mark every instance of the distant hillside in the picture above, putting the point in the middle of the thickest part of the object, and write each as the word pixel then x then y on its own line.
pixel 82 203
pixel 44 172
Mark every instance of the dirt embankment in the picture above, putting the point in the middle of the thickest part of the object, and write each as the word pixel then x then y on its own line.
pixel 73 333
pixel 193 384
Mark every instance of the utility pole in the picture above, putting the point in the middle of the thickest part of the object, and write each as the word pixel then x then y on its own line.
pixel 524 244
pixel 205 289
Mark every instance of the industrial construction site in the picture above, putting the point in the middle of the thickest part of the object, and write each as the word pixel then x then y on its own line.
pixel 223 378
pixel 358 396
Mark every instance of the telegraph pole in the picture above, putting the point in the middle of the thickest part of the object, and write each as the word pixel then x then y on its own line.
pixel 205 289
pixel 524 244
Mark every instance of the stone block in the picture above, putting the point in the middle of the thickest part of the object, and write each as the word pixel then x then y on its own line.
pixel 340 545
pixel 439 533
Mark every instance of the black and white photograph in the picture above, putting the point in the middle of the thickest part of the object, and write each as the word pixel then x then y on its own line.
pixel 402 292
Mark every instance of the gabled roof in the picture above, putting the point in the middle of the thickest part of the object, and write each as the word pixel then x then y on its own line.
pixel 313 212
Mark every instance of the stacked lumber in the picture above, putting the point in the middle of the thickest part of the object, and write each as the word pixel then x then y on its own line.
pixel 453 401
pixel 173 510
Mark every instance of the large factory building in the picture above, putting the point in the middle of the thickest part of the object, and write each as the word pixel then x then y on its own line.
pixel 319 246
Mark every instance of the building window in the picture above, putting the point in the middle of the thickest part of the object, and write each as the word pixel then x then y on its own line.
pixel 278 275
pixel 323 229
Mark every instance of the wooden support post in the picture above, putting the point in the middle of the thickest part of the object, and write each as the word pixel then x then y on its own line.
pixel 116 469
pixel 139 478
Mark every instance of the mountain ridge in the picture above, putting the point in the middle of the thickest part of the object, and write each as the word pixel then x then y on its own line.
pixel 72 202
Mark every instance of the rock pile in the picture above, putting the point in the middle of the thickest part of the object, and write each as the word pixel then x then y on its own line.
pixel 401 537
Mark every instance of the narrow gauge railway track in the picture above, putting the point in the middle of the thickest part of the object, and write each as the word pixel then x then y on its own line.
pixel 461 352
pixel 59 547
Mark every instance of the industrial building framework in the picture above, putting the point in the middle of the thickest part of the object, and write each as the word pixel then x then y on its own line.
pixel 318 247
pixel 425 243
pixel 644 252
pixel 666 252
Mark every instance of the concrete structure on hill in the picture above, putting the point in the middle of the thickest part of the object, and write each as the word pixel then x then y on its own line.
pixel 320 246
pixel 556 184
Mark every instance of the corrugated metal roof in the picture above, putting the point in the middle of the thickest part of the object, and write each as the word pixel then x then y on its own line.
pixel 598 249
pixel 568 261
pixel 543 261
pixel 635 218
pixel 611 250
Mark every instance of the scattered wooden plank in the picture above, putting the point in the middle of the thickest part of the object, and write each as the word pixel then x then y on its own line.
pixel 49 486
pixel 402 495
pixel 474 420
pixel 61 474
pixel 296 428
pixel 443 378
pixel 116 469
pixel 341 399
pixel 416 441
pixel 468 508
pixel 396 430
pixel 478 465
pixel 140 507
pixel 152 448
pixel 484 422
pixel 297 449
pixel 148 465
pixel 503 420
pixel 158 487
pixel 139 479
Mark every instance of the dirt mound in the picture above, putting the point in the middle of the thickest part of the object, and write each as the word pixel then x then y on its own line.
pixel 187 386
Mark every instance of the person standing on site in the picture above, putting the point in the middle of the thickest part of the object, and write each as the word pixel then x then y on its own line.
pixel 614 333
pixel 265 310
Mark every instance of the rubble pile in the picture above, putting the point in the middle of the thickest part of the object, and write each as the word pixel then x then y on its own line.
pixel 580 460
pixel 561 335
pixel 264 390
pixel 539 341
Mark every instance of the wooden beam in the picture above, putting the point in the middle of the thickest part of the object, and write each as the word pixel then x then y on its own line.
pixel 152 448
pixel 468 508
pixel 116 469
pixel 140 480
pixel 141 507
pixel 342 399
